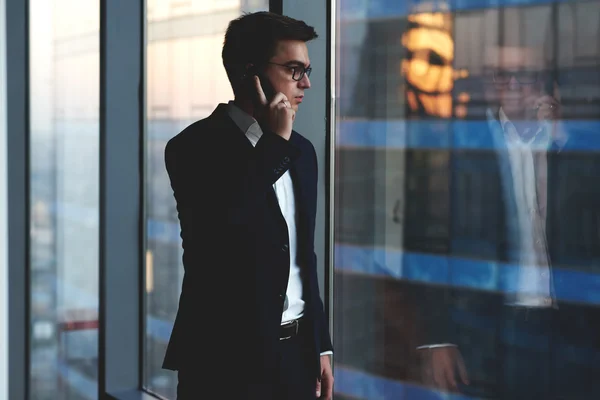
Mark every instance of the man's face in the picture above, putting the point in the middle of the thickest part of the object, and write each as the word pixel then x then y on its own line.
pixel 514 74
pixel 289 62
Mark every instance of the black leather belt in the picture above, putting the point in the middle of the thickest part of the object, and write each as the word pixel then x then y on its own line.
pixel 290 329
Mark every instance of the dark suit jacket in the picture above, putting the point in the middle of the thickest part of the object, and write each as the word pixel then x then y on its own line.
pixel 236 251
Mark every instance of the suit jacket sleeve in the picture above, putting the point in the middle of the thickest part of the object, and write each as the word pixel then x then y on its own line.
pixel 325 344
pixel 323 325
pixel 210 184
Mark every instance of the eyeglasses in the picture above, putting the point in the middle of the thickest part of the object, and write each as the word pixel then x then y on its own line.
pixel 523 77
pixel 298 71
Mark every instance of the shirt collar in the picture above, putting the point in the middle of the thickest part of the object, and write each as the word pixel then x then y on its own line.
pixel 510 130
pixel 240 117
pixel 503 118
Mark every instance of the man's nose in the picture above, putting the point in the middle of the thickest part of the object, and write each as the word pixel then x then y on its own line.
pixel 304 83
pixel 513 83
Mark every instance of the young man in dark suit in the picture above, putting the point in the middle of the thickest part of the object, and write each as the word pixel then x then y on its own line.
pixel 251 323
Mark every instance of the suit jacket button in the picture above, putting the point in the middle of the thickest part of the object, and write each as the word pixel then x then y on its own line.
pixel 285 247
pixel 286 160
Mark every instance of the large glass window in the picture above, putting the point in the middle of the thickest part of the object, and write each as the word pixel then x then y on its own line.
pixel 467 203
pixel 64 185
pixel 185 81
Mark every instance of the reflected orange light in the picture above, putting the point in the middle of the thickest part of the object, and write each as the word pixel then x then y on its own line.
pixel 461 74
pixel 429 70
pixel 460 111
pixel 412 100
pixel 440 105
pixel 464 97
pixel 431 39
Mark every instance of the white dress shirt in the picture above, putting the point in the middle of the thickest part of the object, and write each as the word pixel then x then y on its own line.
pixel 529 171
pixel 284 190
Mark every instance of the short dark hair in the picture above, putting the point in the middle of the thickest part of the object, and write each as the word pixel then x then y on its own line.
pixel 253 37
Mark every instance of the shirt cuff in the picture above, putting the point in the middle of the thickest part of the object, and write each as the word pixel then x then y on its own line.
pixel 435 346
pixel 327 353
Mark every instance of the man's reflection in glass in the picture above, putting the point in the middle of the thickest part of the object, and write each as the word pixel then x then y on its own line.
pixel 529 322
pixel 522 120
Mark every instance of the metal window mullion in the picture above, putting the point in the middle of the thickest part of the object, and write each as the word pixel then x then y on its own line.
pixel 121 182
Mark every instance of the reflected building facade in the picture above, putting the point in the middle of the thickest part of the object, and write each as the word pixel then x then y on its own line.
pixel 64 194
pixel 420 245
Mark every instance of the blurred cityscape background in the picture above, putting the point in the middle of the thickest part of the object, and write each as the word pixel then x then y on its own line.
pixel 409 98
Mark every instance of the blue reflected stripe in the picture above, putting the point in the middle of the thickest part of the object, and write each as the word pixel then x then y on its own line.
pixel 162 231
pixel 398 134
pixel 158 329
pixel 71 211
pixel 371 9
pixel 570 285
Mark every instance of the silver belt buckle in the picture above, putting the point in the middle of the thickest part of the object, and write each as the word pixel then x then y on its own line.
pixel 296 333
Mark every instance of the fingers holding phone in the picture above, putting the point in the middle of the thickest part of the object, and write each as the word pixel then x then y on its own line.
pixel 547 108
pixel 277 113
pixel 262 97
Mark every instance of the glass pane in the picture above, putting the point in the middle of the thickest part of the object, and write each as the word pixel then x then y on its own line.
pixel 467 203
pixel 185 81
pixel 64 183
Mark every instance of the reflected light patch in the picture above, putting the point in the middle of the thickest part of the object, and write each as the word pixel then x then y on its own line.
pixel 460 111
pixel 412 100
pixel 440 105
pixel 464 97
pixel 432 39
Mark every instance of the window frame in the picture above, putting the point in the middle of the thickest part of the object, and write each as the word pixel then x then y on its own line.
pixel 122 219
pixel 3 212
pixel 17 147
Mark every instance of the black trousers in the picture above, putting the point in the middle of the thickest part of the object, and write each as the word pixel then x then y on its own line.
pixel 294 378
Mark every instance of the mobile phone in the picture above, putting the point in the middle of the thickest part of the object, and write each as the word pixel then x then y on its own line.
pixel 264 82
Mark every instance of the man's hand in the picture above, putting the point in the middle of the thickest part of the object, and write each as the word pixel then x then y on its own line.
pixel 325 385
pixel 547 108
pixel 440 365
pixel 277 114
